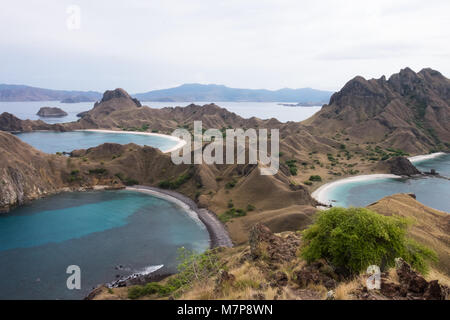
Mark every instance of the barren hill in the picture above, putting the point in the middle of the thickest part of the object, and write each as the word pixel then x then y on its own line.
pixel 408 111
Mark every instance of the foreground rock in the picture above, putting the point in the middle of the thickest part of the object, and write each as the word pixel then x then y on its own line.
pixel 274 249
pixel 410 286
pixel 51 112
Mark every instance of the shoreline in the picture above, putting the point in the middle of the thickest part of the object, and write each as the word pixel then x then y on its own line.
pixel 425 157
pixel 180 142
pixel 218 235
pixel 321 193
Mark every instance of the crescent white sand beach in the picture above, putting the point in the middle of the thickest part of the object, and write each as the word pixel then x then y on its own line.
pixel 172 199
pixel 426 156
pixel 180 142
pixel 322 193
pixel 218 234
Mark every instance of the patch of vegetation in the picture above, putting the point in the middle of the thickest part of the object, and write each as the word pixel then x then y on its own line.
pixel 192 267
pixel 231 184
pixel 74 175
pixel 308 183
pixel 250 207
pixel 356 238
pixel 232 213
pixel 176 183
pixel 98 171
pixel 292 165
pixel 130 182
pixel 315 178
pixel 143 128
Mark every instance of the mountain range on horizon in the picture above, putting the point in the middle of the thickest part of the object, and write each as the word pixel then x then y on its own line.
pixel 182 93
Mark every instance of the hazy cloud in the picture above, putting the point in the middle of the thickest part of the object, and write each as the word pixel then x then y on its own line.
pixel 141 45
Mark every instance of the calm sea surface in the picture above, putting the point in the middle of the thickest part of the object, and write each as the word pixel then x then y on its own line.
pixel 263 110
pixel 98 231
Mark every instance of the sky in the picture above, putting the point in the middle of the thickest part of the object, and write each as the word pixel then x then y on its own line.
pixel 144 45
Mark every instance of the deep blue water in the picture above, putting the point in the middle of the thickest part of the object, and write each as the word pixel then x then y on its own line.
pixel 433 192
pixel 52 142
pixel 97 231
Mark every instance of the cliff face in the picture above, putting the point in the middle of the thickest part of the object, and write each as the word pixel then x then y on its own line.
pixel 409 111
pixel 26 173
pixel 400 166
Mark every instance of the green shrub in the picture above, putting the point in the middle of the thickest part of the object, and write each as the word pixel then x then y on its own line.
pixel 147 289
pixel 130 182
pixel 231 184
pixel 355 238
pixel 308 183
pixel 292 165
pixel 232 213
pixel 176 183
pixel 98 171
pixel 192 267
pixel 250 207
pixel 315 178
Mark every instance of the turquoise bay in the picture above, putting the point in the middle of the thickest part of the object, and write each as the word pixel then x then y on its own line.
pixel 52 142
pixel 97 231
pixel 431 191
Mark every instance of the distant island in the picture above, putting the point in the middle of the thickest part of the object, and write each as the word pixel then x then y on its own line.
pixel 214 93
pixel 301 104
pixel 186 92
pixel 51 112
pixel 13 92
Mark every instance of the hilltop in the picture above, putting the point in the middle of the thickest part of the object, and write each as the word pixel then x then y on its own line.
pixel 409 111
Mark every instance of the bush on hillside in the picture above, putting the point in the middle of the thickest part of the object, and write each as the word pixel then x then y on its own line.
pixel 355 238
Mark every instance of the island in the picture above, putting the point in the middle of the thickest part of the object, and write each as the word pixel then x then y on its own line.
pixel 51 112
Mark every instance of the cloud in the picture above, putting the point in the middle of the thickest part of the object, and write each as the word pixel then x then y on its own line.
pixel 142 45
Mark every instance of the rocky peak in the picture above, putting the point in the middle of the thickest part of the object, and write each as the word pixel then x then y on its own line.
pixel 118 93
pixel 358 92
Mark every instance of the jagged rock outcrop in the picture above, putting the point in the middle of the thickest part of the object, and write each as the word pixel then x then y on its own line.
pixel 409 111
pixel 400 166
pixel 410 286
pixel 316 273
pixel 51 112
pixel 119 94
pixel 25 173
pixel 268 246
